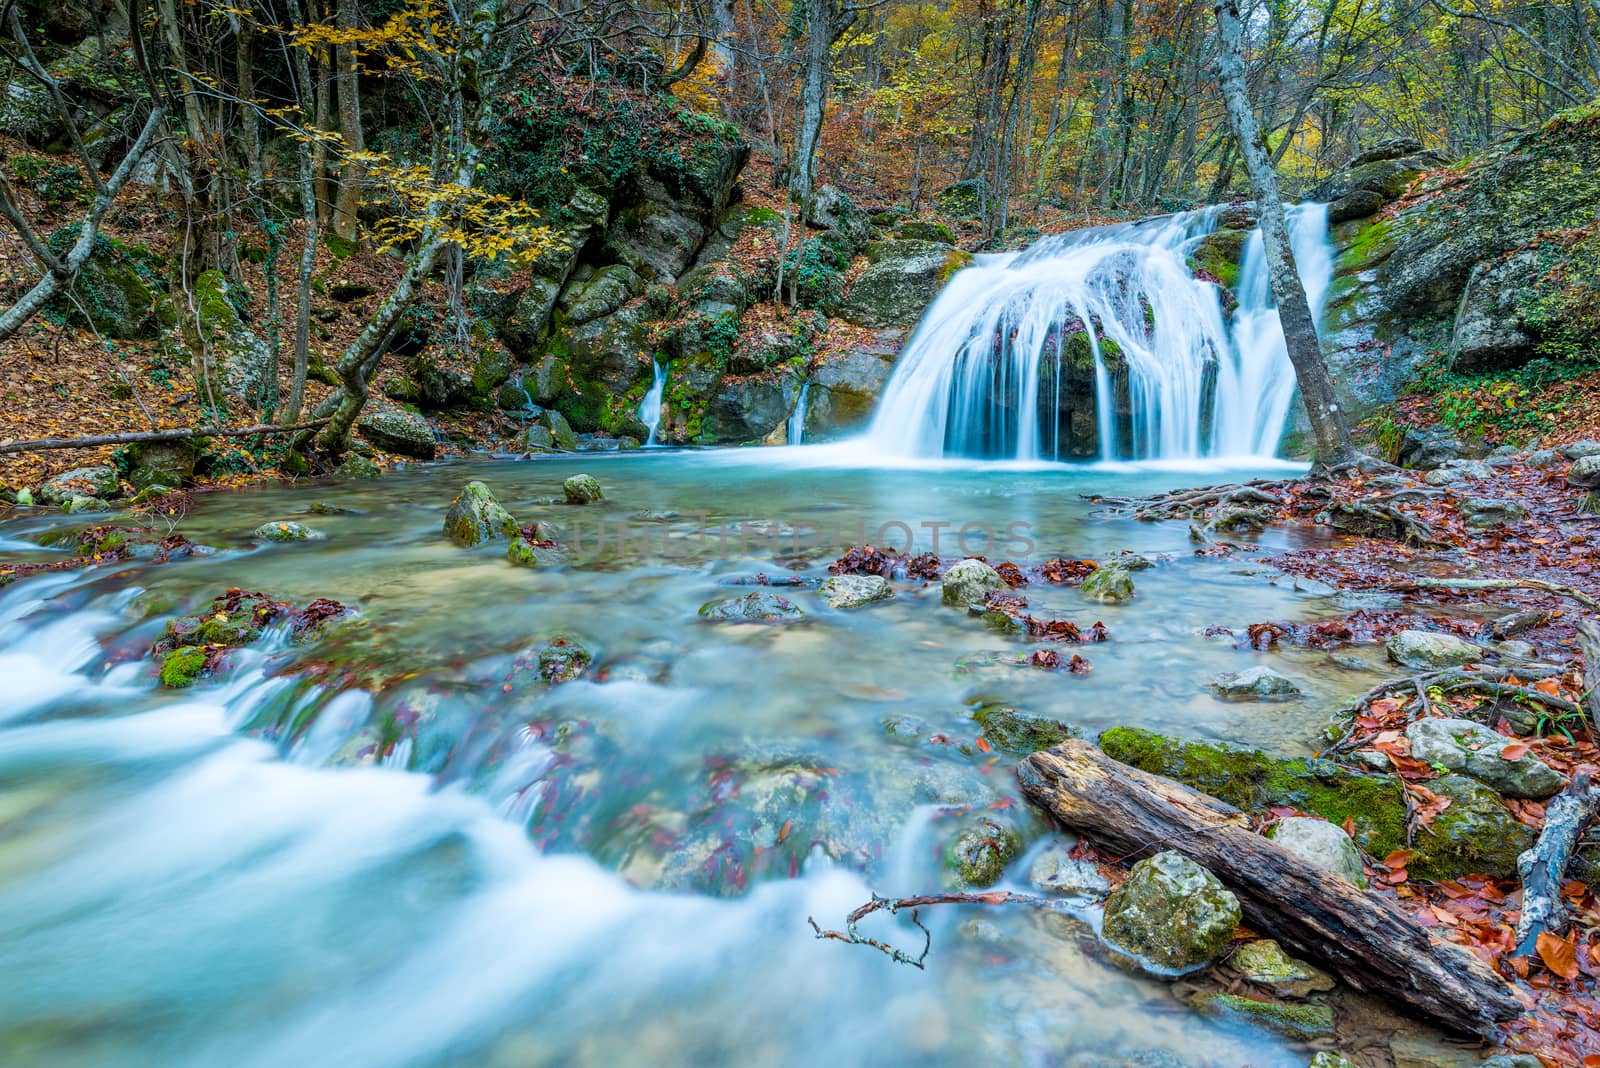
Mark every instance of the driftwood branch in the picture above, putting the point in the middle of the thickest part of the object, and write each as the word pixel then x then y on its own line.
pixel 140 437
pixel 1538 585
pixel 1364 939
pixel 1543 868
pixel 893 905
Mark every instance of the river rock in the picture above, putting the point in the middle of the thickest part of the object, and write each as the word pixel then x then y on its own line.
pixel 83 503
pixel 285 531
pixel 1110 583
pixel 1320 843
pixel 356 466
pixel 398 431
pixel 561 431
pixel 1056 871
pixel 475 517
pixel 1577 450
pixel 524 553
pixel 581 489
pixel 1255 684
pixel 1264 963
pixel 1297 1020
pixel 1475 834
pixel 1473 749
pixel 751 608
pixel 161 463
pixel 855 591
pixel 1422 649
pixel 96 481
pixel 1485 513
pixel 1327 1059
pixel 1020 732
pixel 967 583
pixel 1585 472
pixel 980 852
pixel 1171 913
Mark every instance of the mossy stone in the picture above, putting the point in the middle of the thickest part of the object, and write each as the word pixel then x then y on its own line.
pixel 182 667
pixel 475 517
pixel 980 852
pixel 1020 732
pixel 581 489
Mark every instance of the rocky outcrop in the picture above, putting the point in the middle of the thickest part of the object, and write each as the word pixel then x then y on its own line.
pixel 901 280
pixel 845 388
pixel 398 431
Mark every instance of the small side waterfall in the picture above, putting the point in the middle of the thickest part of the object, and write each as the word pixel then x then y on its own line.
pixel 650 407
pixel 1102 343
pixel 796 429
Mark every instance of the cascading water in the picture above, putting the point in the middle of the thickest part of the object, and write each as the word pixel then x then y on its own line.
pixel 650 407
pixel 796 430
pixel 1102 343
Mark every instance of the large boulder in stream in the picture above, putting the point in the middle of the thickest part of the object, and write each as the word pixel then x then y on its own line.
pixel 399 431
pixel 844 389
pixel 475 517
pixel 751 608
pixel 1171 914
pixel 1425 650
pixel 967 583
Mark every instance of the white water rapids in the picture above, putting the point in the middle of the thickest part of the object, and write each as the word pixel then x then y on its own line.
pixel 989 372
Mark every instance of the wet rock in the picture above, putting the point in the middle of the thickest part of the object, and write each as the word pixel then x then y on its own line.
pixel 845 387
pixel 902 279
pixel 561 431
pixel 855 591
pixel 1475 750
pixel 1326 1059
pixel 356 466
pixel 1015 731
pixel 968 582
pixel 581 489
pixel 1585 472
pixel 524 553
pixel 183 667
pixel 1423 649
pixel 1171 913
pixel 1255 684
pixel 82 503
pixel 1578 450
pixel 538 439
pixel 475 517
pixel 285 531
pixel 980 852
pixel 1356 204
pixel 162 463
pixel 1475 834
pixel 1320 843
pixel 1454 472
pixel 907 730
pixel 562 659
pixel 1303 1021
pixel 1056 871
pixel 751 608
pixel 97 481
pixel 398 431
pixel 1485 513
pixel 1110 583
pixel 1264 963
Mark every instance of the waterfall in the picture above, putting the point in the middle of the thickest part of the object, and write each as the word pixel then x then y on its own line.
pixel 797 418
pixel 650 407
pixel 1101 343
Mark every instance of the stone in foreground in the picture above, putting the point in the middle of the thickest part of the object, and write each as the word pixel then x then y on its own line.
pixel 1264 963
pixel 856 591
pixel 1425 649
pixel 1255 684
pixel 1475 750
pixel 1110 583
pixel 751 608
pixel 581 489
pixel 1320 843
pixel 284 531
pixel 1171 914
pixel 475 517
pixel 966 583
pixel 1056 871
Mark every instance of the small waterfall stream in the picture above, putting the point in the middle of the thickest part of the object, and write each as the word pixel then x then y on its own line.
pixel 1102 344
pixel 650 407
pixel 796 429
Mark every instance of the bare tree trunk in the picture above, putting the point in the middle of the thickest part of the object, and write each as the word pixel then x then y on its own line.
pixel 816 76
pixel 1328 424
pixel 309 233
pixel 345 223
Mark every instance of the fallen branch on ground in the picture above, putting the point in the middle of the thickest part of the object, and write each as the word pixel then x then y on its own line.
pixel 1364 939
pixel 1543 868
pixel 1538 585
pixel 893 905
pixel 142 437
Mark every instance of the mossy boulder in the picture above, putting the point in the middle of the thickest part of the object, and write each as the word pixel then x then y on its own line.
pixel 1297 1020
pixel 162 463
pixel 926 230
pixel 244 363
pixel 524 553
pixel 980 851
pixel 582 489
pixel 902 279
pixel 356 466
pixel 475 517
pixel 1476 834
pixel 285 531
pixel 1110 583
pixel 1016 731
pixel 399 431
pixel 1217 256
pixel 183 667
pixel 1171 914
pixel 114 292
pixel 967 583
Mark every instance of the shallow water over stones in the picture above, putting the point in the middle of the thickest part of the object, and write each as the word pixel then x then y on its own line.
pixel 403 845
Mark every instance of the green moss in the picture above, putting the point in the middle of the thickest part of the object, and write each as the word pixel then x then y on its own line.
pixel 229 632
pixel 1253 781
pixel 183 667
pixel 1218 254
pixel 981 851
pixel 1296 1020
pixel 1372 242
pixel 1020 732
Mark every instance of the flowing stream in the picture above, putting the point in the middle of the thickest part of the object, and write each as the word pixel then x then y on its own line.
pixel 650 406
pixel 381 851
pixel 1101 344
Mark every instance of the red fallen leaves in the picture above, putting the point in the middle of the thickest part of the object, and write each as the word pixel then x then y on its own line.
pixel 1011 574
pixel 1051 660
pixel 1010 603
pixel 1514 751
pixel 1558 954
pixel 315 615
pixel 865 560
pixel 1064 572
pixel 1365 625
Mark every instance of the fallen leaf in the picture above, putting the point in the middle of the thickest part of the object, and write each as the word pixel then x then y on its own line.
pixel 1514 751
pixel 1558 954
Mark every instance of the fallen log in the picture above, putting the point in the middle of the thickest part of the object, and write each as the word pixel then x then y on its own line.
pixel 1362 938
pixel 1589 646
pixel 1544 867
pixel 144 437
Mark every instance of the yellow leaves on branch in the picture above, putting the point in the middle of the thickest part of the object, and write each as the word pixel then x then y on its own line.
pixel 420 28
pixel 487 226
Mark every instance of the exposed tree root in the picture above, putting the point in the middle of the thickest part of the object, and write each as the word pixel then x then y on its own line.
pixel 1543 868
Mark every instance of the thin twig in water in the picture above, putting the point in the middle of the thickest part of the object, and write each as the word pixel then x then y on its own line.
pixel 893 905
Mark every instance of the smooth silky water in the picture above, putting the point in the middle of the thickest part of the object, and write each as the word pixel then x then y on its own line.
pixel 604 872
